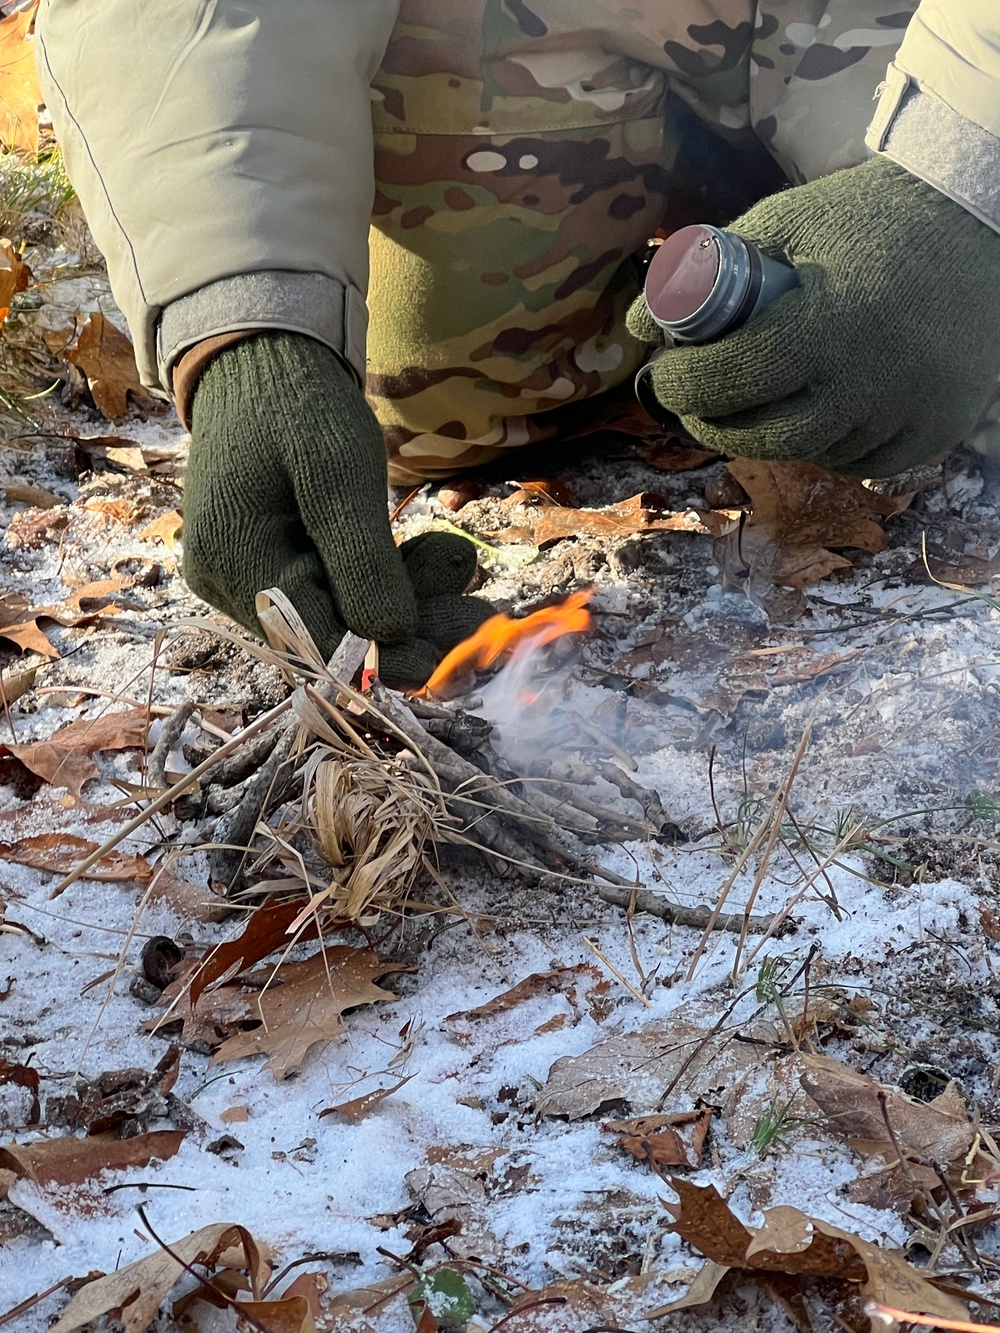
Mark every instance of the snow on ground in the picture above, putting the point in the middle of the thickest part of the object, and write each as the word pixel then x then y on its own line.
pixel 902 733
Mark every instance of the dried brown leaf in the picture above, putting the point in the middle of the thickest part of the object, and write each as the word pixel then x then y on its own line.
pixel 266 931
pixel 64 760
pixel 14 684
pixel 799 510
pixel 32 528
pixel 60 852
pixel 105 356
pixel 642 513
pixel 70 1161
pixel 16 493
pixel 20 94
pixel 21 1076
pixel 704 1287
pixel 637 1067
pixel 939 1131
pixel 793 1245
pixel 139 1289
pixel 539 983
pixel 166 528
pixel 664 1140
pixel 673 455
pixel 304 1007
pixel 358 1107
pixel 705 1221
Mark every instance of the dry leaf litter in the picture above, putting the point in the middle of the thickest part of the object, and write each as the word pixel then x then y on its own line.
pixel 588 1117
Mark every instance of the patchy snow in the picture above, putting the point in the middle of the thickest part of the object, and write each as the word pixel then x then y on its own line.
pixel 901 730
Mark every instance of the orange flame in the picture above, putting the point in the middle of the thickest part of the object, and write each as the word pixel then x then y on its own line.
pixel 501 635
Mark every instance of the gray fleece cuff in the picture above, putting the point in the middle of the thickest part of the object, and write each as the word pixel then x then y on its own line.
pixel 309 303
pixel 928 137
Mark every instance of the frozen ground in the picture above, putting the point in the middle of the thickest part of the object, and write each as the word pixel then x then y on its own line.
pixel 886 861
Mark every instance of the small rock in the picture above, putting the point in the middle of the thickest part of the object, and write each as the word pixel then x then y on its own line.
pixel 725 492
pixel 456 494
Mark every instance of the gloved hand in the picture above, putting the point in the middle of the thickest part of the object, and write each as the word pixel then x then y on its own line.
pixel 286 486
pixel 884 355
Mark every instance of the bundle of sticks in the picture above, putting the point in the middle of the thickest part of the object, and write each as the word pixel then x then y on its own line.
pixel 343 796
pixel 377 777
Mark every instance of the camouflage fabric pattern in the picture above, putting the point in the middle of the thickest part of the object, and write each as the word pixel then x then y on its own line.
pixel 526 149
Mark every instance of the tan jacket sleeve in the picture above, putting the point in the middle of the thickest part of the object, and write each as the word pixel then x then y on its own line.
pixel 223 155
pixel 938 113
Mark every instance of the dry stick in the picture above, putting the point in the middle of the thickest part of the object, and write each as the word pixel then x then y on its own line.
pixel 173 727
pixel 648 801
pixel 675 914
pixel 464 781
pixel 235 830
pixel 171 794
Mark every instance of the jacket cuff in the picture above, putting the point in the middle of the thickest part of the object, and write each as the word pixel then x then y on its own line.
pixel 935 142
pixel 309 303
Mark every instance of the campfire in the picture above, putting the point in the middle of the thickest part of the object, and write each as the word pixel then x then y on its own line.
pixel 345 799
pixel 501 637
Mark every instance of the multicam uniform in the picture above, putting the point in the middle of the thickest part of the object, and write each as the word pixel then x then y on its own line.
pixel 512 155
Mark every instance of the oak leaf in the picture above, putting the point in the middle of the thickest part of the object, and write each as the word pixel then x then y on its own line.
pixel 64 760
pixel 800 511
pixel 20 94
pixel 70 1161
pixel 105 356
pixel 138 1290
pixel 789 1247
pixel 303 1007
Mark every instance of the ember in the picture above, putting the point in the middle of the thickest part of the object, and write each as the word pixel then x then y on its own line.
pixel 501 636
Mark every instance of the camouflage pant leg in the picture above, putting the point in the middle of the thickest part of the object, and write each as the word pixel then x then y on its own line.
pixel 525 149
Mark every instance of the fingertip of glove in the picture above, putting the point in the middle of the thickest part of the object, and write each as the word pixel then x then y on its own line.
pixel 438 562
pixel 447 620
pixel 640 322
pixel 407 666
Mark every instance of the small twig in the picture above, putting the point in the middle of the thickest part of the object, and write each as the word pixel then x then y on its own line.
pixel 616 973
pixel 911 1178
pixel 240 1309
pixel 888 1315
pixel 523 1309
pixel 169 796
pixel 31 1301
pixel 169 736
pixel 676 914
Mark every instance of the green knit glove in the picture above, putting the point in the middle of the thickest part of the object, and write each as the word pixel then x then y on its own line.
pixel 884 355
pixel 286 486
